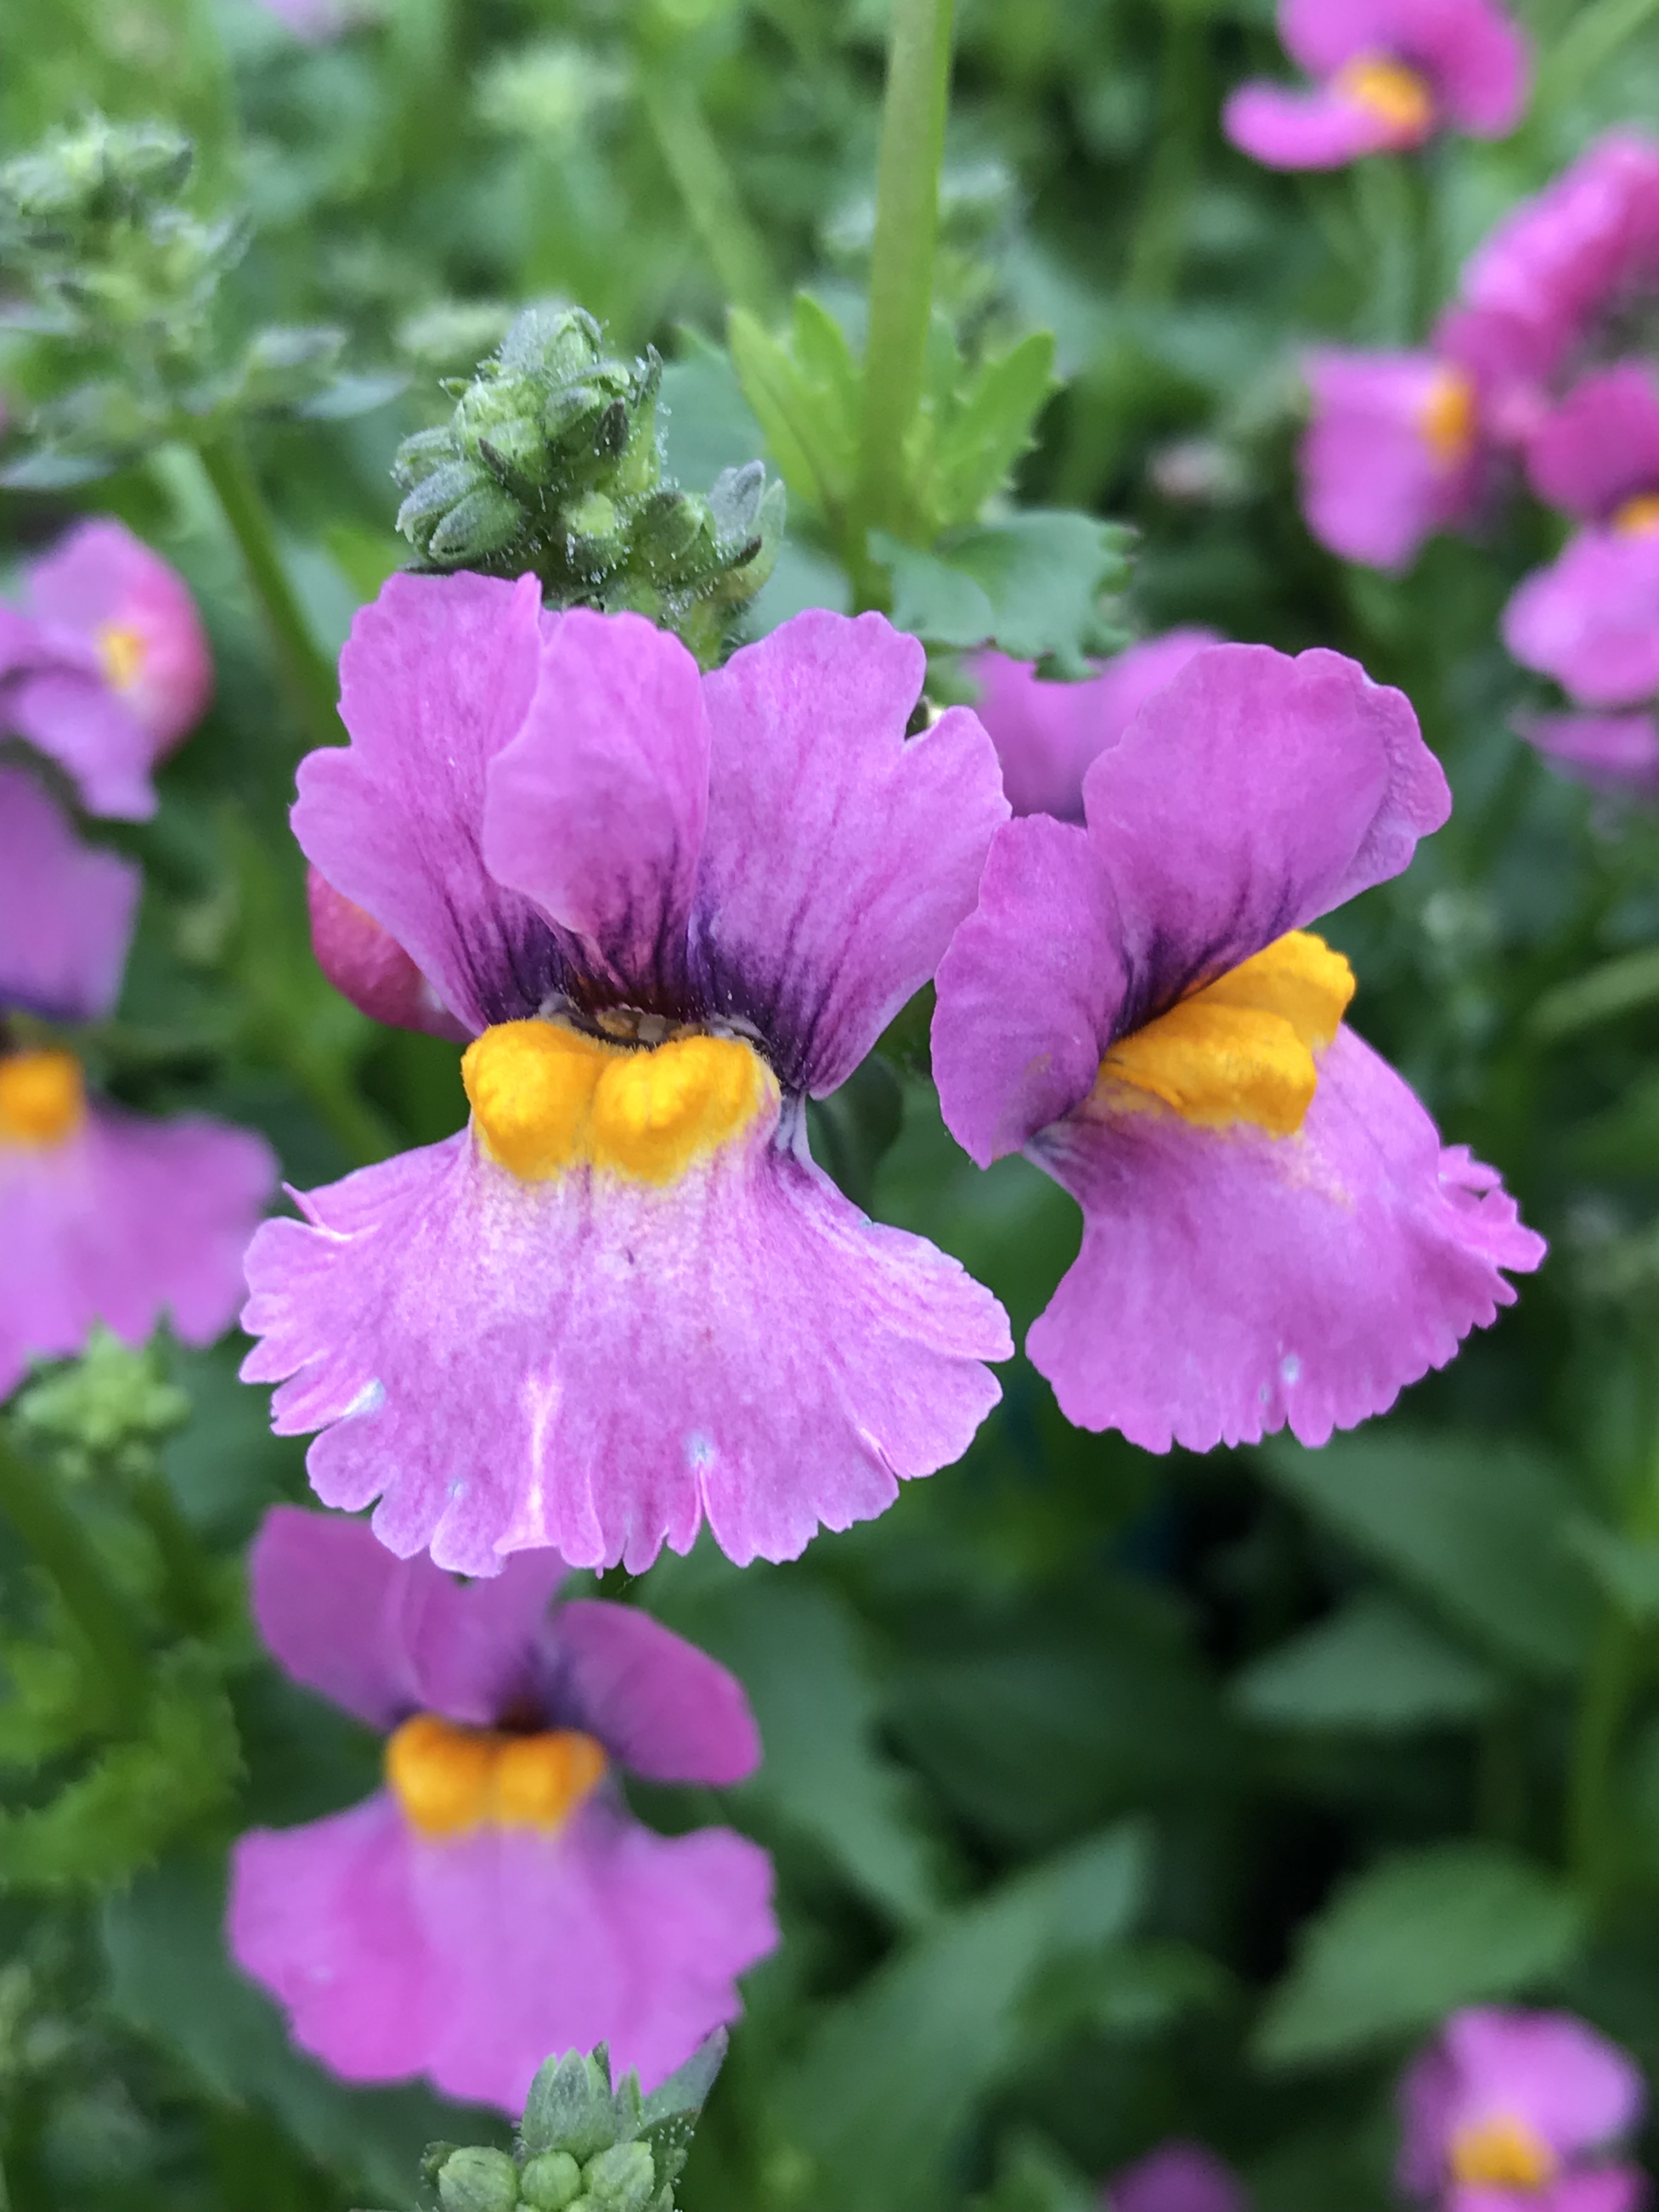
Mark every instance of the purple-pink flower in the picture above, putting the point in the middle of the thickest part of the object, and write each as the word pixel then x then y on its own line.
pixel 1047 734
pixel 1520 2112
pixel 1272 1232
pixel 1395 449
pixel 496 1901
pixel 1387 75
pixel 1618 754
pixel 666 907
pixel 104 1216
pixel 1176 2177
pixel 106 668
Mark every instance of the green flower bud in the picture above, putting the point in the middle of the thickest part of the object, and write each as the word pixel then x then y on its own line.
pixel 478 2179
pixel 569 2106
pixel 550 2182
pixel 480 523
pixel 620 2179
pixel 111 1407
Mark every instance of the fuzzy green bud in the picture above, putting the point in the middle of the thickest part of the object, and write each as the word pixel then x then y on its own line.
pixel 550 2182
pixel 478 2179
pixel 620 2179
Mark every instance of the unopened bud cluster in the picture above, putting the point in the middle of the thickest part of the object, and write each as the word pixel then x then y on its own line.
pixel 552 462
pixel 111 1408
pixel 584 2146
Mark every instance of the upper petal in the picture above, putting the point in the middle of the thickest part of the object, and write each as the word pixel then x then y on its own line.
pixel 1601 445
pixel 1319 129
pixel 53 696
pixel 99 577
pixel 1609 752
pixel 1231 1283
pixel 596 810
pixel 436 678
pixel 1470 50
pixel 1578 2089
pixel 662 1707
pixel 839 854
pixel 1248 796
pixel 66 908
pixel 594 1364
pixel 1590 619
pixel 384 1637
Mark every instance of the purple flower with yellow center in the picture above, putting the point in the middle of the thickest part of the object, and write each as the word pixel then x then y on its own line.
pixel 104 1216
pixel 1388 74
pixel 1395 449
pixel 1520 2112
pixel 1176 2177
pixel 1590 619
pixel 1046 735
pixel 495 1900
pixel 106 668
pixel 666 907
pixel 1272 1231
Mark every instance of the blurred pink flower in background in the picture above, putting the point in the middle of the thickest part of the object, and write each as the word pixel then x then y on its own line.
pixel 1176 2177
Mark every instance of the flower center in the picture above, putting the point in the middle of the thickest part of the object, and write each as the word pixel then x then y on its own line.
pixel 1240 1049
pixel 1638 517
pixel 545 1098
pixel 450 1779
pixel 1446 417
pixel 121 653
pixel 1397 96
pixel 42 1098
pixel 1501 2153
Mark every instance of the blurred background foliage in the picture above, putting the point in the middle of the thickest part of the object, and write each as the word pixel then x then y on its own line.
pixel 1111 1798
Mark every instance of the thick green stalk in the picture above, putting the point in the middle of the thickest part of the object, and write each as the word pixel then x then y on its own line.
pixel 30 1501
pixel 305 674
pixel 735 248
pixel 901 261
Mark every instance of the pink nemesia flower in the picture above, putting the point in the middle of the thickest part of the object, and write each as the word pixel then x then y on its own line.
pixel 496 1900
pixel 104 1216
pixel 1618 754
pixel 1395 449
pixel 106 668
pixel 1047 734
pixel 666 907
pixel 1387 75
pixel 1176 2177
pixel 1517 2111
pixel 1272 1232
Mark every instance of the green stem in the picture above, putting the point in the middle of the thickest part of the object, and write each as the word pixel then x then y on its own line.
pixel 733 246
pixel 185 1566
pixel 62 1547
pixel 902 259
pixel 1158 243
pixel 305 672
pixel 1614 1673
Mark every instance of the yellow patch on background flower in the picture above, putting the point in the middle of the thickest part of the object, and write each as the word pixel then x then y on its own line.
pixel 43 1099
pixel 1501 2153
pixel 1447 416
pixel 1638 517
pixel 1243 1049
pixel 121 654
pixel 450 1779
pixel 1397 96
pixel 545 1098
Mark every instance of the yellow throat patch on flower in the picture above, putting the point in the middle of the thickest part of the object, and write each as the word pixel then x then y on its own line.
pixel 545 1098
pixel 43 1099
pixel 1447 416
pixel 121 654
pixel 1638 517
pixel 450 1779
pixel 1501 2153
pixel 1242 1049
pixel 1397 96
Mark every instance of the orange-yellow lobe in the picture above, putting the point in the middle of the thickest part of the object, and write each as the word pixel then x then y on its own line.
pixel 545 1098
pixel 43 1100
pixel 450 1780
pixel 121 653
pixel 1638 517
pixel 1397 96
pixel 1501 2153
pixel 1243 1049
pixel 1447 417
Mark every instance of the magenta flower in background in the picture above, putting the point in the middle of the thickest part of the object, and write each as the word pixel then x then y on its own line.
pixel 1047 734
pixel 1591 618
pixel 1618 754
pixel 667 908
pixel 106 668
pixel 104 1216
pixel 1520 2112
pixel 1272 1231
pixel 1395 450
pixel 1176 2177
pixel 366 965
pixel 495 1900
pixel 314 22
pixel 1387 75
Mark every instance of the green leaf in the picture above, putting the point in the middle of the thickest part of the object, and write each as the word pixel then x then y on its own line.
pixel 806 393
pixel 1031 585
pixel 1626 1567
pixel 172 1979
pixel 1409 1940
pixel 876 2103
pixel 1476 1527
pixel 988 430
pixel 1374 1667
